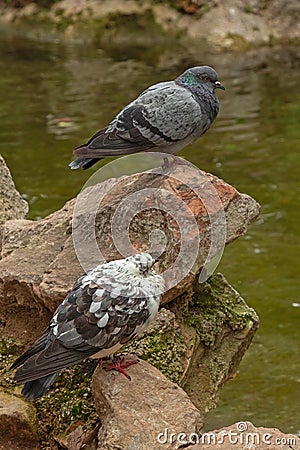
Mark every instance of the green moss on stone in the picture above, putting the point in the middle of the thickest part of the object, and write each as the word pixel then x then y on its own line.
pixel 162 345
pixel 216 305
pixel 68 401
pixel 140 29
pixel 10 348
pixel 164 351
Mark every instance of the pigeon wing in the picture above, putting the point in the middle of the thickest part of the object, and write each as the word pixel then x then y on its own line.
pixel 88 321
pixel 161 116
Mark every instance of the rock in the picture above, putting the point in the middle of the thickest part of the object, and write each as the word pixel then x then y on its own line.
pixel 79 439
pixel 200 342
pixel 36 245
pixel 243 435
pixel 39 264
pixel 284 26
pixel 225 326
pixel 133 414
pixel 232 21
pixel 18 424
pixel 235 22
pixel 135 417
pixel 12 205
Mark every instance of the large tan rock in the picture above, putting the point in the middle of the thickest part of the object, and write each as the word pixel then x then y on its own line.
pixel 39 264
pixel 18 424
pixel 134 413
pixel 138 418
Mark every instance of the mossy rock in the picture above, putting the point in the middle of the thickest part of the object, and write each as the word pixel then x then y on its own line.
pixel 67 403
pixel 10 348
pixel 215 306
pixel 164 346
pixel 18 423
pixel 225 326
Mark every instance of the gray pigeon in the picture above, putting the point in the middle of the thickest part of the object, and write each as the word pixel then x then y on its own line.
pixel 164 118
pixel 106 308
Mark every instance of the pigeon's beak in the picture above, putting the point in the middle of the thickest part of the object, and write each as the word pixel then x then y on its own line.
pixel 219 85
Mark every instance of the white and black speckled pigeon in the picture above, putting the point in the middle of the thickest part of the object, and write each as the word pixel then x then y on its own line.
pixel 165 118
pixel 105 309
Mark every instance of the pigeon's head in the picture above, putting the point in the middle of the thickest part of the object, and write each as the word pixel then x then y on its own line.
pixel 141 263
pixel 201 75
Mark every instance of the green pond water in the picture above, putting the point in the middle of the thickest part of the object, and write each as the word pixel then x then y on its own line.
pixel 254 145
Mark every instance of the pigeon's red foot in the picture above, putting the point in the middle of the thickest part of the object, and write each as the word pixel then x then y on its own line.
pixel 120 365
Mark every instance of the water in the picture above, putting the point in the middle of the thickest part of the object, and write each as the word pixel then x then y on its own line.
pixel 54 96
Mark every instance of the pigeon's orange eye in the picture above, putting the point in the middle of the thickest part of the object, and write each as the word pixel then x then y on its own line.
pixel 205 78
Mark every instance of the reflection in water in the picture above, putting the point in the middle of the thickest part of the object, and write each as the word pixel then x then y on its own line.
pixel 54 97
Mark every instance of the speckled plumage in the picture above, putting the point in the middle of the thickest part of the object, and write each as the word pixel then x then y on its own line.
pixel 105 309
pixel 165 117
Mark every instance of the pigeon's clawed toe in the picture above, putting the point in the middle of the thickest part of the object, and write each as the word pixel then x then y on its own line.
pixel 165 117
pixel 107 307
pixel 119 364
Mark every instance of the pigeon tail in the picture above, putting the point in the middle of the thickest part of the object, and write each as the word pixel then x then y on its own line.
pixel 35 348
pixel 36 388
pixel 83 163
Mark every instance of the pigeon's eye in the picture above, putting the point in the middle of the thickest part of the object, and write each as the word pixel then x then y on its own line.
pixel 206 78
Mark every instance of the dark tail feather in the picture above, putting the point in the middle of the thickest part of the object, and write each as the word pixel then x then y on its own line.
pixel 36 388
pixel 83 163
pixel 35 348
pixel 49 361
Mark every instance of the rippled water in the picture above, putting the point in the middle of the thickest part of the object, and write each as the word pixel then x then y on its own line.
pixel 54 96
